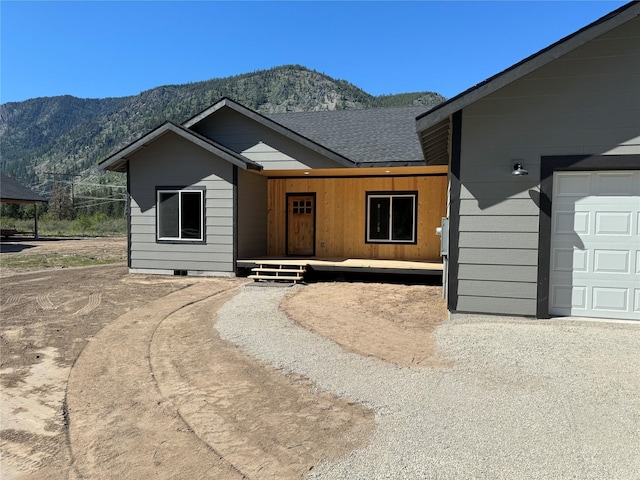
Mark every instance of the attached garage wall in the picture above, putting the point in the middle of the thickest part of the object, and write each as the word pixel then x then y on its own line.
pixel 585 102
pixel 172 161
pixel 341 215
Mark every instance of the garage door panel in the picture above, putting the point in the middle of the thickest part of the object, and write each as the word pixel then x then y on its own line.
pixel 613 223
pixel 569 260
pixel 615 183
pixel 578 185
pixel 581 300
pixel 566 297
pixel 610 299
pixel 595 245
pixel 570 223
pixel 611 261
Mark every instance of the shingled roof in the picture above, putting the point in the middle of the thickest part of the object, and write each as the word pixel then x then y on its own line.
pixel 13 192
pixel 369 137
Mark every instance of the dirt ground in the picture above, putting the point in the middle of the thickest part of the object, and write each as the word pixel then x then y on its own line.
pixel 107 374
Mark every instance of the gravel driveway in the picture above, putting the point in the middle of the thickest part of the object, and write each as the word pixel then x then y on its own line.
pixel 522 399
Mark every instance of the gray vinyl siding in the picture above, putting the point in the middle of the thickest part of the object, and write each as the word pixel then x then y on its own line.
pixel 172 161
pixel 586 102
pixel 258 143
pixel 252 215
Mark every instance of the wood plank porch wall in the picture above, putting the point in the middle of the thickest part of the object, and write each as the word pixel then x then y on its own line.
pixel 341 215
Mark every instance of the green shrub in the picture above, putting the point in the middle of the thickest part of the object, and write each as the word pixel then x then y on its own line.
pixel 98 225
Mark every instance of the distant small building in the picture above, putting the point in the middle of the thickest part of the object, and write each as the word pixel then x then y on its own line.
pixel 12 191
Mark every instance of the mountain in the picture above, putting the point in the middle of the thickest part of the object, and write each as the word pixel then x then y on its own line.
pixel 69 135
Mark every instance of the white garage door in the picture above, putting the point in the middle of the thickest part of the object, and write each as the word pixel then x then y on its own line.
pixel 595 245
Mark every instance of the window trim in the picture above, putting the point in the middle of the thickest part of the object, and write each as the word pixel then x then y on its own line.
pixel 180 191
pixel 391 194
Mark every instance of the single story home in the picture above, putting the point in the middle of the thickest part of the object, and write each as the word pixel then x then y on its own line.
pixel 544 180
pixel 231 187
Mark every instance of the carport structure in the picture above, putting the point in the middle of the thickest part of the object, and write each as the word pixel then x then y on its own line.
pixel 11 191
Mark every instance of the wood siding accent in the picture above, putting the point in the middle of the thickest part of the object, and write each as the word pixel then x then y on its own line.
pixel 341 215
pixel 172 161
pixel 582 103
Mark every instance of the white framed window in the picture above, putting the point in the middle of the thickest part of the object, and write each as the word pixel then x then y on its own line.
pixel 391 217
pixel 180 215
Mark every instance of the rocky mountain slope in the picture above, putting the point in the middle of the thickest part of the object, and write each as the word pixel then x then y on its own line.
pixel 70 135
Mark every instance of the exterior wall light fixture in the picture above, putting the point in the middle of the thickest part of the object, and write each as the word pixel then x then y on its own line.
pixel 519 170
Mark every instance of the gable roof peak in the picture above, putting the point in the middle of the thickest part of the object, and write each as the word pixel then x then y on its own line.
pixel 117 162
pixel 278 127
pixel 222 102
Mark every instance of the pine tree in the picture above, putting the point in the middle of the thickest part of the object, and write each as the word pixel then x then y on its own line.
pixel 60 203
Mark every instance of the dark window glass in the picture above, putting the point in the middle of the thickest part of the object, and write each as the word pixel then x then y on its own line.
pixel 191 215
pixel 403 217
pixel 379 218
pixel 168 215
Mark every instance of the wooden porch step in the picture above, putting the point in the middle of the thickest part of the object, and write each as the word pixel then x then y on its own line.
pixel 280 278
pixel 278 270
pixel 278 273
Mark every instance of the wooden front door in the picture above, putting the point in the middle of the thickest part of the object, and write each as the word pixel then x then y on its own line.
pixel 301 223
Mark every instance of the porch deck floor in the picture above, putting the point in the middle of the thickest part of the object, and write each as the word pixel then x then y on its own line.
pixel 361 265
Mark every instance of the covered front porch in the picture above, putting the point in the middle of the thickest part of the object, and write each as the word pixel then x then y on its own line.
pixel 294 268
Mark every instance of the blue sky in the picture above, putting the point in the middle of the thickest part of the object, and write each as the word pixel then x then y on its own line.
pixel 93 49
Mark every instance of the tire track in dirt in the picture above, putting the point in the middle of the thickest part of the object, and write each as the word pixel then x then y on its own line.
pixel 95 299
pixel 13 300
pixel 44 301
pixel 120 425
pixel 265 423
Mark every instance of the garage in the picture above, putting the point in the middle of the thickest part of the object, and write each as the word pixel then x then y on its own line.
pixel 595 245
